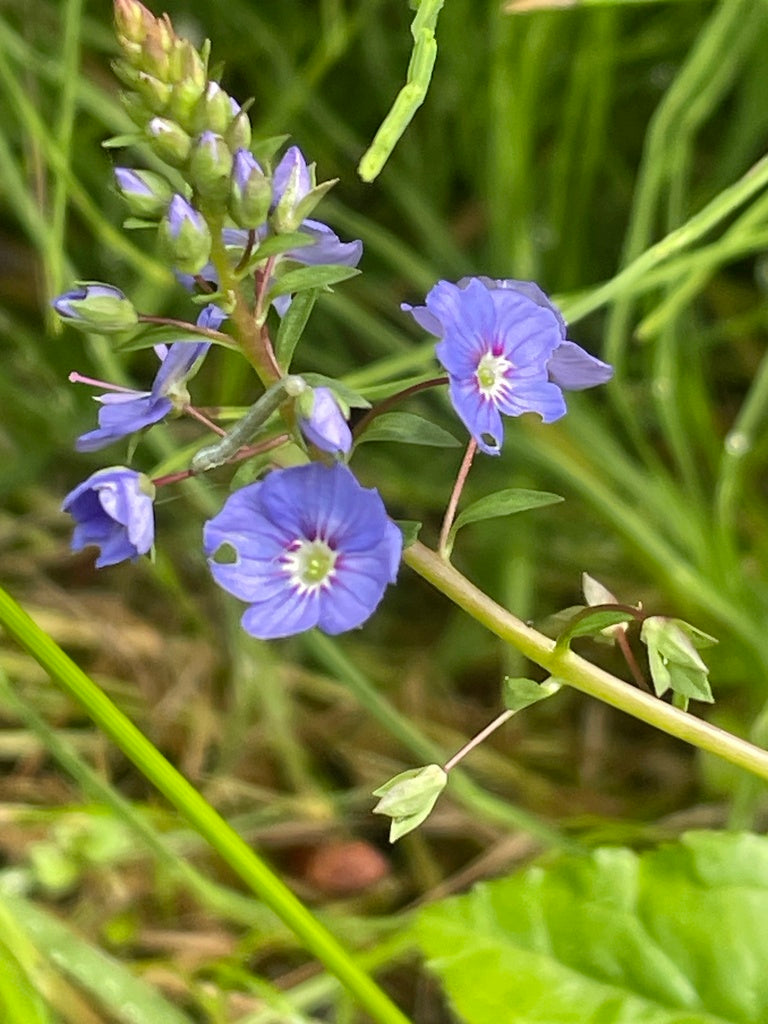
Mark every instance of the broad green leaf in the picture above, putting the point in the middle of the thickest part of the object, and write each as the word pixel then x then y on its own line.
pixel 677 935
pixel 170 335
pixel 502 503
pixel 587 622
pixel 292 326
pixel 407 428
pixel 518 694
pixel 302 278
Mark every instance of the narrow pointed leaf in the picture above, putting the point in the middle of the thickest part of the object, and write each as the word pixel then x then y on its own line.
pixel 503 503
pixel 302 278
pixel 407 428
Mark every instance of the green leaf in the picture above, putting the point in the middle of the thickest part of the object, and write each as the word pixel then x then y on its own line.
pixel 302 278
pixel 677 935
pixel 134 223
pixel 123 141
pixel 590 623
pixel 377 392
pixel 275 245
pixel 521 693
pixel 170 335
pixel 126 998
pixel 502 503
pixel 292 326
pixel 410 530
pixel 407 428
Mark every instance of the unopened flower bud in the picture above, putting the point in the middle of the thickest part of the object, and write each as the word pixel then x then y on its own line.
pixel 239 132
pixel 189 86
pixel 169 140
pixel 214 111
pixel 322 422
pixel 295 194
pixel 210 166
pixel 147 194
pixel 409 797
pixel 156 94
pixel 96 307
pixel 132 20
pixel 251 191
pixel 184 236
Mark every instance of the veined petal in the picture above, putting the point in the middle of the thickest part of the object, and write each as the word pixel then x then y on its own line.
pixel 574 369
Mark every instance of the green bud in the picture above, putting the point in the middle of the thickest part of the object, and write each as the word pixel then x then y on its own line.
pixel 210 166
pixel 188 88
pixel 147 194
pixel 169 140
pixel 184 236
pixel 133 22
pixel 214 111
pixel 239 132
pixel 409 797
pixel 156 94
pixel 97 308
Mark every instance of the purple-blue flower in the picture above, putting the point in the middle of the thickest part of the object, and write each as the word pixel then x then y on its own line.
pixel 126 411
pixel 311 548
pixel 504 346
pixel 113 510
pixel 321 421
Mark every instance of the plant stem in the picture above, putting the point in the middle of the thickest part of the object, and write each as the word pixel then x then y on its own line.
pixel 236 853
pixel 477 739
pixel 578 673
pixel 444 546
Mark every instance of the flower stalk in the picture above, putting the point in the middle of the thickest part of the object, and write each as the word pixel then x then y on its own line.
pixel 574 671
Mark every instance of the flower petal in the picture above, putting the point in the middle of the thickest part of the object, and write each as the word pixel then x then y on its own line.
pixel 574 369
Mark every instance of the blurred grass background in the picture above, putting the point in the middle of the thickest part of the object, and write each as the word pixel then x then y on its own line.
pixel 558 146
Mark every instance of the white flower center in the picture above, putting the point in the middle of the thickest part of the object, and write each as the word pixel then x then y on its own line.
pixel 310 564
pixel 491 374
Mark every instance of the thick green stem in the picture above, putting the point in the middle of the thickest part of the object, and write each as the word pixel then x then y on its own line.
pixel 200 815
pixel 578 673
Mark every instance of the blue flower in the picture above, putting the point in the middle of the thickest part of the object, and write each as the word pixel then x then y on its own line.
pixel 321 421
pixel 505 349
pixel 311 548
pixel 126 411
pixel 113 510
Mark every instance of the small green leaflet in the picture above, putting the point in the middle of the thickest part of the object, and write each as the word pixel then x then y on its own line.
pixel 409 529
pixel 502 503
pixel 275 245
pixel 518 694
pixel 407 428
pixel 674 661
pixel 339 388
pixel 589 622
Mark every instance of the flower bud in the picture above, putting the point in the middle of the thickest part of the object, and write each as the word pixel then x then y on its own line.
pixel 169 140
pixel 133 21
pixel 184 236
pixel 239 132
pixel 96 307
pixel 321 421
pixel 295 192
pixel 156 94
pixel 147 194
pixel 210 166
pixel 251 192
pixel 214 111
pixel 189 87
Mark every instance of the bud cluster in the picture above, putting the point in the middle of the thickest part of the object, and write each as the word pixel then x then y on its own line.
pixel 193 125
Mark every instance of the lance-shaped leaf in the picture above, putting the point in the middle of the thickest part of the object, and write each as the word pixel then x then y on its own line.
pixel 292 326
pixel 302 278
pixel 501 503
pixel 591 622
pixel 407 428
